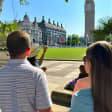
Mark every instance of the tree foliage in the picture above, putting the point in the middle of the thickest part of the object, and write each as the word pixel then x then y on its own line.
pixel 69 40
pixel 98 35
pixel 6 28
pixel 104 29
pixel 24 2
pixel 66 0
pixel 109 38
pixel 73 40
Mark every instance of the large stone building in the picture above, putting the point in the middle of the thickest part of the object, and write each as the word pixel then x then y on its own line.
pixel 32 29
pixel 52 34
pixel 89 19
pixel 44 33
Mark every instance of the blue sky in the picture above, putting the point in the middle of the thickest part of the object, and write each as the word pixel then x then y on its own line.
pixel 70 14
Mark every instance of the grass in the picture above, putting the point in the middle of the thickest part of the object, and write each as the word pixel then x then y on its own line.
pixel 64 53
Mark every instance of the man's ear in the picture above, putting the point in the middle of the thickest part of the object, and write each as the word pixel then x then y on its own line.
pixel 28 51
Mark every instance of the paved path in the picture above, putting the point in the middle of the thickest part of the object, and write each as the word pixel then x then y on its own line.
pixel 60 73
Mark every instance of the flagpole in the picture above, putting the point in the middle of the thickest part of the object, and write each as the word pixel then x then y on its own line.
pixel 86 39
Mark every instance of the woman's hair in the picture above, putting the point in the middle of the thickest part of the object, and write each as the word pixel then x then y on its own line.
pixel 99 55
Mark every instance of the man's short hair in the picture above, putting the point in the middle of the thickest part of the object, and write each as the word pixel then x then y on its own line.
pixel 18 42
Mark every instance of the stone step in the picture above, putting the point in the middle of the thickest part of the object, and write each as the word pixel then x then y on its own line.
pixel 61 96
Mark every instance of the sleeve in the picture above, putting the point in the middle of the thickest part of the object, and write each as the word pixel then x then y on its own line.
pixel 75 104
pixel 43 99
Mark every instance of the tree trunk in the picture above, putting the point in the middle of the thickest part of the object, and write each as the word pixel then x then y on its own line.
pixel 1 4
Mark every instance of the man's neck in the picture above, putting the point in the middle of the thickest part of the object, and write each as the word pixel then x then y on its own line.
pixel 18 57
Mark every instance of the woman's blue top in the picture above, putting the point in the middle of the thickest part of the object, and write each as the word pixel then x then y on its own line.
pixel 82 101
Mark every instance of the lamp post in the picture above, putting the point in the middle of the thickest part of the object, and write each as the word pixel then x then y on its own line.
pixel 51 39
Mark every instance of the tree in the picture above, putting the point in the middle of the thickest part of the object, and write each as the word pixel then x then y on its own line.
pixel 22 2
pixel 98 35
pixel 78 40
pixel 66 0
pixel 109 38
pixel 75 40
pixel 6 28
pixel 1 4
pixel 106 25
pixel 82 41
pixel 69 40
pixel 104 29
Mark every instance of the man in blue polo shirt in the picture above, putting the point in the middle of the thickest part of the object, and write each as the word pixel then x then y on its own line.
pixel 23 87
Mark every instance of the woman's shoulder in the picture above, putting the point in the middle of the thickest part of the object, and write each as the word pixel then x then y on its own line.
pixel 82 84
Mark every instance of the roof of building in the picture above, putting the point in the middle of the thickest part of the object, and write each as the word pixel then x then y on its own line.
pixel 52 26
pixel 48 25
pixel 26 17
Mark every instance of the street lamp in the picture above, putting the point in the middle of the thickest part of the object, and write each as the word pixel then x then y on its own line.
pixel 50 39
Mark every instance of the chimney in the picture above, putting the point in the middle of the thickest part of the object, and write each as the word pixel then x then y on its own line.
pixel 35 19
pixel 53 22
pixel 57 24
pixel 49 21
pixel 61 26
pixel 43 19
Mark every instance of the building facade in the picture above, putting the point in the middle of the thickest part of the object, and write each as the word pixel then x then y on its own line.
pixel 52 34
pixel 44 33
pixel 32 29
pixel 89 19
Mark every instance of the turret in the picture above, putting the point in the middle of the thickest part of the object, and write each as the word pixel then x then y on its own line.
pixel 49 21
pixel 43 19
pixel 26 18
pixel 61 26
pixel 57 24
pixel 35 20
pixel 53 22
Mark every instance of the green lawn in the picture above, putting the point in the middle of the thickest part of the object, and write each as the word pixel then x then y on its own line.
pixel 64 53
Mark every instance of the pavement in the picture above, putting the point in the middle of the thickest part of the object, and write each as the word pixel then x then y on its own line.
pixel 59 73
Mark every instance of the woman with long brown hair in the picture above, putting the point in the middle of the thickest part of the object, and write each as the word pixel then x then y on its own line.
pixel 98 65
